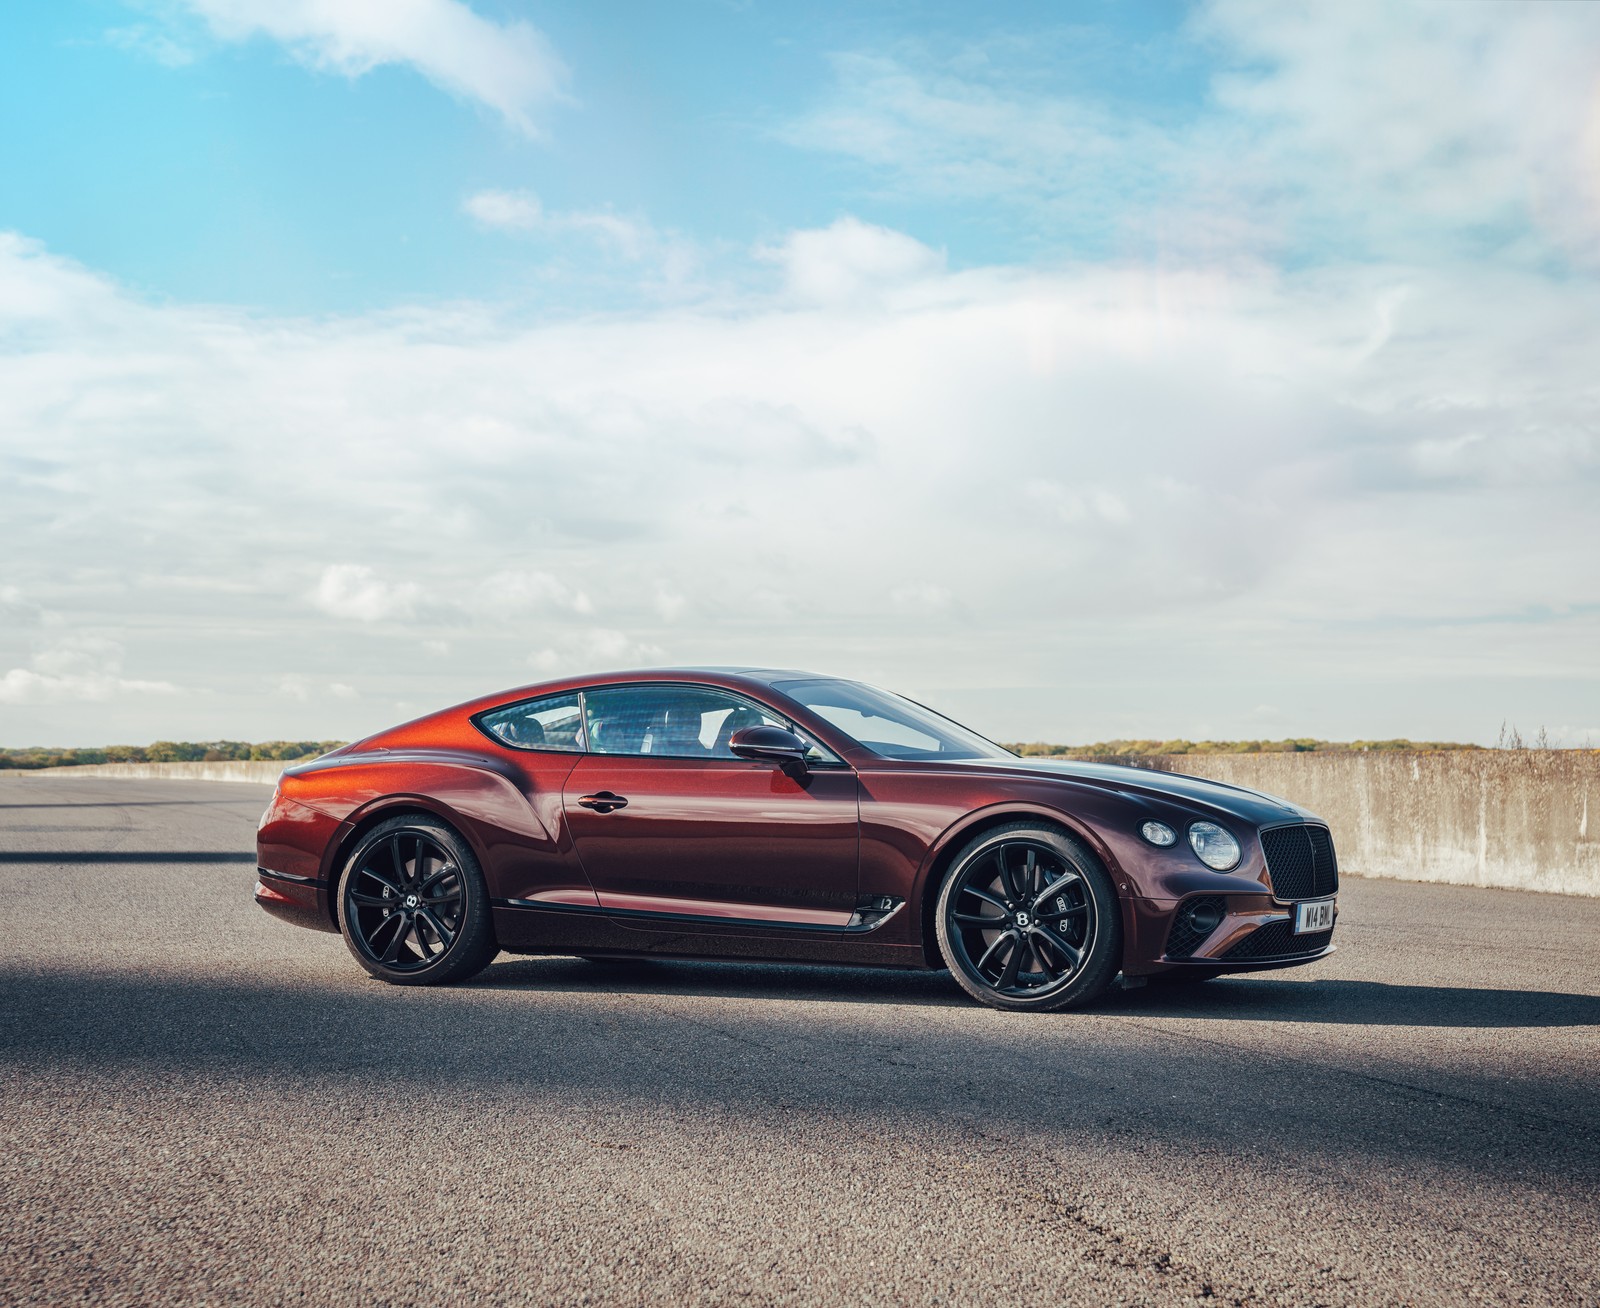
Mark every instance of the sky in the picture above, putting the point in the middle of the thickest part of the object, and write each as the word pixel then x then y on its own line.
pixel 1219 370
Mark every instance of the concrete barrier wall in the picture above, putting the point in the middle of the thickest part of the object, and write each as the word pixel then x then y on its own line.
pixel 231 770
pixel 1524 819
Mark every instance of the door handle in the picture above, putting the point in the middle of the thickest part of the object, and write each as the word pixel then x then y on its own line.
pixel 603 801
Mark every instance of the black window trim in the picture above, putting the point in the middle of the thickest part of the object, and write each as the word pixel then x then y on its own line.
pixel 832 763
pixel 583 724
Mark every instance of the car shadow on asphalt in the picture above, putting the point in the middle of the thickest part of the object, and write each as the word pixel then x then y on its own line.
pixel 1362 1003
pixel 534 1030
pixel 1250 999
pixel 780 981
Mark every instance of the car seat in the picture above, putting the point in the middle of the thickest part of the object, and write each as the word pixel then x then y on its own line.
pixel 738 720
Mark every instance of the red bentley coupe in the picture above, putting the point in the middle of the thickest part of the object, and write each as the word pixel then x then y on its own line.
pixel 750 814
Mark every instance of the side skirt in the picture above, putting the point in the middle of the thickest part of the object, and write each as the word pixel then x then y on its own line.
pixel 531 927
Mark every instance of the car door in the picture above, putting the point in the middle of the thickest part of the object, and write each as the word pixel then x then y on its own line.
pixel 671 826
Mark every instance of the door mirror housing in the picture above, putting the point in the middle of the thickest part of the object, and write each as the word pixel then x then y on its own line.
pixel 769 745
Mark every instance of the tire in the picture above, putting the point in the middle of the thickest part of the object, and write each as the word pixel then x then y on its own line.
pixel 413 906
pixel 1051 899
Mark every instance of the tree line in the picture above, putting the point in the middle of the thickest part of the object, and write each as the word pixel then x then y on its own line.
pixel 168 751
pixel 1141 748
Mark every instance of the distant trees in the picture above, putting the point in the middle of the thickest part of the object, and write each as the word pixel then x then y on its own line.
pixel 168 751
pixel 1303 745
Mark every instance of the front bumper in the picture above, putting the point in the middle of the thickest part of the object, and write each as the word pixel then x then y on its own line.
pixel 1224 933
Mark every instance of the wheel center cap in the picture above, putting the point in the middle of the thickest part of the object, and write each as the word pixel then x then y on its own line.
pixel 1023 920
pixel 412 901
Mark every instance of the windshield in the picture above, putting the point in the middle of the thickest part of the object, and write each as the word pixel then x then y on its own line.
pixel 887 724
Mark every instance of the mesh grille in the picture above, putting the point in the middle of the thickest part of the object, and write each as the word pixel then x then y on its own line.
pixel 1183 939
pixel 1278 940
pixel 1327 864
pixel 1300 861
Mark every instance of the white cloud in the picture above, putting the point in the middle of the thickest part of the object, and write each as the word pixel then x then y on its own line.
pixel 515 211
pixel 303 690
pixel 964 130
pixel 1365 128
pixel 595 649
pixel 1461 117
pixel 1092 503
pixel 670 603
pixel 921 599
pixel 509 67
pixel 76 669
pixel 16 611
pixel 142 39
pixel 529 590
pixel 1307 480
pixel 631 239
pixel 850 260
pixel 355 591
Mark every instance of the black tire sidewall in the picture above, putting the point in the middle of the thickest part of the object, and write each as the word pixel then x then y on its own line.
pixel 473 947
pixel 1105 957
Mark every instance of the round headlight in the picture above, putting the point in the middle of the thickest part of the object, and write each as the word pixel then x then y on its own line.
pixel 1159 833
pixel 1214 846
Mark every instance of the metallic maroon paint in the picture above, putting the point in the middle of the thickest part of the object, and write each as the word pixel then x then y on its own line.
pixel 730 858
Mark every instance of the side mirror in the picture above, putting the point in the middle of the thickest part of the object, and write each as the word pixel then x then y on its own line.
pixel 769 745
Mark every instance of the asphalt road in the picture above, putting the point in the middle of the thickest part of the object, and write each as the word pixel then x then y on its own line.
pixel 201 1104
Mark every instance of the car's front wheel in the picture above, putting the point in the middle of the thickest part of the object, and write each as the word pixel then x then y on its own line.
pixel 413 907
pixel 1028 919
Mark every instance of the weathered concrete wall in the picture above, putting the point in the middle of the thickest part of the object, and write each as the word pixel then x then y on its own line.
pixel 1526 819
pixel 230 770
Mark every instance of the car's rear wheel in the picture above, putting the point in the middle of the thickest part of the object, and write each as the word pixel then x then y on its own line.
pixel 413 907
pixel 1028 920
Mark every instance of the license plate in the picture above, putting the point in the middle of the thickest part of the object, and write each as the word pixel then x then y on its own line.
pixel 1315 916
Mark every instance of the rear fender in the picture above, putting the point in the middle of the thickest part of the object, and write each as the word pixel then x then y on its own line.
pixel 483 798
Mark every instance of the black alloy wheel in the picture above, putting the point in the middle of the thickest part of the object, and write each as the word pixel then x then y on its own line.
pixel 413 907
pixel 1028 920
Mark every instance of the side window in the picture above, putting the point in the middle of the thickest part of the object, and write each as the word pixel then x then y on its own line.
pixel 673 721
pixel 552 723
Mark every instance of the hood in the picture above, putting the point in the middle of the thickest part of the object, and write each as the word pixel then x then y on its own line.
pixel 1197 792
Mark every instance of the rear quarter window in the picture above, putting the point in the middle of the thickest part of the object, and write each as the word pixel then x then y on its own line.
pixel 553 723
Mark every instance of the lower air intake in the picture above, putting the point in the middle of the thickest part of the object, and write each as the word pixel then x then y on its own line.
pixel 1278 940
pixel 1192 923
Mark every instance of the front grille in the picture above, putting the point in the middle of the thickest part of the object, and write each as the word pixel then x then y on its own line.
pixel 1183 939
pixel 1300 861
pixel 1278 940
